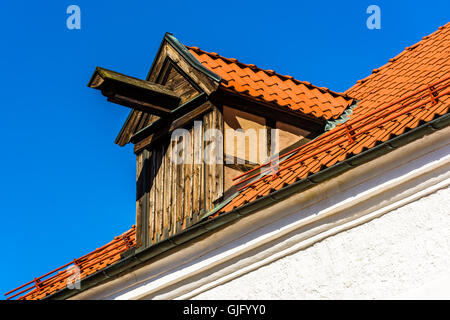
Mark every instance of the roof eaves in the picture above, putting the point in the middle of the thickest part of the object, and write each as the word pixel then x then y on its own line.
pixel 214 223
pixel 248 97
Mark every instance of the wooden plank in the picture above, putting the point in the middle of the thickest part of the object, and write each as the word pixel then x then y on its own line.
pixel 188 167
pixel 159 192
pixel 218 168
pixel 178 82
pixel 268 110
pixel 152 198
pixel 135 93
pixel 118 81
pixel 156 190
pixel 197 144
pixel 204 82
pixel 139 105
pixel 168 59
pixel 180 185
pixel 129 127
pixel 194 202
pixel 208 167
pixel 270 124
pixel 174 184
pixel 162 125
pixel 139 198
pixel 202 186
pixel 146 119
pixel 158 66
pixel 146 198
pixel 177 123
pixel 167 188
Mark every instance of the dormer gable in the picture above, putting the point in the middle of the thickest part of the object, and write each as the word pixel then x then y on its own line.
pixel 220 117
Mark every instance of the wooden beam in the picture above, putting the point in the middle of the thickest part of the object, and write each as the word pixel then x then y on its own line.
pixel 158 124
pixel 267 110
pixel 163 130
pixel 134 93
pixel 139 105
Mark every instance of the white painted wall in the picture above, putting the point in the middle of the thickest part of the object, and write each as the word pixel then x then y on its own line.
pixel 380 230
pixel 403 254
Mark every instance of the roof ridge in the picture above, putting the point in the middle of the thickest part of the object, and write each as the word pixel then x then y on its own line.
pixel 399 55
pixel 270 72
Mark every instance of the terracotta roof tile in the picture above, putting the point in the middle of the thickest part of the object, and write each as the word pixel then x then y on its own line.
pixel 269 86
pixel 88 264
pixel 410 72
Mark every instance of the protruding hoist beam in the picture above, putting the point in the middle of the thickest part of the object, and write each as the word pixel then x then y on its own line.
pixel 134 93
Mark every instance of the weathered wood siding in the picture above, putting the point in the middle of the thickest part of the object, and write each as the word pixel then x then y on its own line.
pixel 177 82
pixel 171 196
pixel 174 79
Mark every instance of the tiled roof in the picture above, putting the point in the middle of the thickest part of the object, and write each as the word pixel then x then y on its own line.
pixel 269 86
pixel 394 98
pixel 399 91
pixel 92 262
pixel 418 65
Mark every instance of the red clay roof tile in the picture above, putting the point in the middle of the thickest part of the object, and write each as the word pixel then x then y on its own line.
pixel 88 264
pixel 269 86
pixel 416 68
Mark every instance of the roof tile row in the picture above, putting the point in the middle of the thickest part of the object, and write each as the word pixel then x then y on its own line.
pixel 269 86
pixel 88 265
pixel 408 72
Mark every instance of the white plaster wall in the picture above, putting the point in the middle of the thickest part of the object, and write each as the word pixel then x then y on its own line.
pixel 403 254
pixel 270 254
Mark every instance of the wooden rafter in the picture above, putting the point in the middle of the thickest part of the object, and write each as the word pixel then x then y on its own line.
pixel 134 93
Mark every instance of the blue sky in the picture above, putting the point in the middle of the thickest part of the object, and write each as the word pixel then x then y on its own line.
pixel 65 187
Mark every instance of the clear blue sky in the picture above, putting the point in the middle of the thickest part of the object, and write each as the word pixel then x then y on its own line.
pixel 66 188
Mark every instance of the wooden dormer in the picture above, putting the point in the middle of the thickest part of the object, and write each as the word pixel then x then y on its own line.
pixel 181 93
